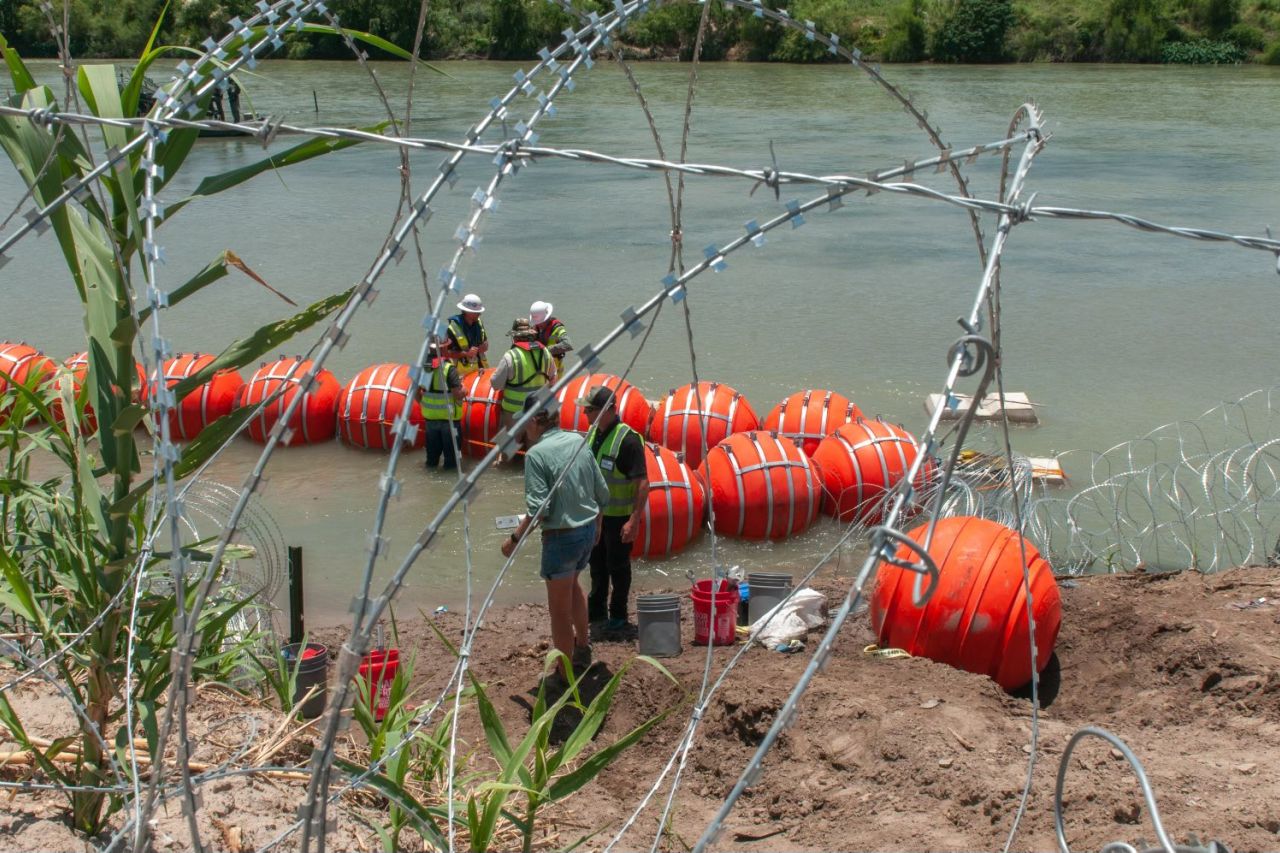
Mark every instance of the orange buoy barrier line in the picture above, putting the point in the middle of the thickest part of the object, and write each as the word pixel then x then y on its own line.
pixel 205 404
pixel 371 403
pixel 762 486
pixel 19 362
pixel 678 420
pixel 78 365
pixel 976 619
pixel 673 512
pixel 314 421
pixel 481 413
pixel 863 461
pixel 633 409
pixel 810 416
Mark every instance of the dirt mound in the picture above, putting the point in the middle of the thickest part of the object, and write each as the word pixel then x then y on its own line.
pixel 886 754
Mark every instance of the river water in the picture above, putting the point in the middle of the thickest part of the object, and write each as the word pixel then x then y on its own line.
pixel 1112 331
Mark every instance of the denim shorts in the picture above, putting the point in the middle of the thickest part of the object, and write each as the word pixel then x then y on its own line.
pixel 566 552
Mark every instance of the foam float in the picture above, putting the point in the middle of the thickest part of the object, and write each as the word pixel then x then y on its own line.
pixel 204 404
pixel 633 408
pixel 78 365
pixel 672 516
pixel 315 419
pixel 20 362
pixel 862 461
pixel 372 401
pixel 481 413
pixel 678 419
pixel 762 486
pixel 810 416
pixel 976 619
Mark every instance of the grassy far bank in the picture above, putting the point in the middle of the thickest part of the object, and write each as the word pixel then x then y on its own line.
pixel 1181 31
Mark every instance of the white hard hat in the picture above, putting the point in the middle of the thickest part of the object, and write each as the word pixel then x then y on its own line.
pixel 471 304
pixel 539 312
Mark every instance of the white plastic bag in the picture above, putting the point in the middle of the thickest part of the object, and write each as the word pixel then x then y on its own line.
pixel 790 620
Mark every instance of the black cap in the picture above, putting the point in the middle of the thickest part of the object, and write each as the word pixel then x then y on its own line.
pixel 600 397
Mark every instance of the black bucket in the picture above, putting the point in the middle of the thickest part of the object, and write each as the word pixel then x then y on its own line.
pixel 312 672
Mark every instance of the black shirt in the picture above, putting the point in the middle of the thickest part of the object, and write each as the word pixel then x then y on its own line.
pixel 631 462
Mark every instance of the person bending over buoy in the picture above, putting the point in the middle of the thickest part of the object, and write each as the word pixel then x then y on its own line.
pixel 524 368
pixel 441 401
pixel 467 340
pixel 619 451
pixel 551 332
pixel 565 492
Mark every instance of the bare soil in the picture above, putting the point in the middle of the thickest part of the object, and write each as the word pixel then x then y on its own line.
pixel 886 754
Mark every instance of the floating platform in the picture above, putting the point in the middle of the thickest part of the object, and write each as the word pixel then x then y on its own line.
pixel 991 468
pixel 1016 404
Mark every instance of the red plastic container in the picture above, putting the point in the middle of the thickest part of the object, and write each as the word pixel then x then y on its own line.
pixel 726 604
pixel 377 670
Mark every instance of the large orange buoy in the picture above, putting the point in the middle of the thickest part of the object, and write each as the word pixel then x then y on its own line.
pixel 78 364
pixel 372 401
pixel 677 422
pixel 205 404
pixel 20 363
pixel 633 408
pixel 860 462
pixel 481 413
pixel 810 416
pixel 314 420
pixel 672 516
pixel 762 486
pixel 976 619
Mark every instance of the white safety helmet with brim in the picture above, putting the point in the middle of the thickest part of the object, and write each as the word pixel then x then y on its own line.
pixel 540 312
pixel 471 304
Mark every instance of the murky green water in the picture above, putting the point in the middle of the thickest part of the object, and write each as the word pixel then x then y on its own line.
pixel 1112 331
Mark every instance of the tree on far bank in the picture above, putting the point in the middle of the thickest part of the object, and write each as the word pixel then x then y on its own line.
pixel 1133 31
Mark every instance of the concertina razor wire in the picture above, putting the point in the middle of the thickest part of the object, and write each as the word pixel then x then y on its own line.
pixel 1073 531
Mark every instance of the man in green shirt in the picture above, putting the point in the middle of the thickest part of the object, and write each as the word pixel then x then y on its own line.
pixel 564 491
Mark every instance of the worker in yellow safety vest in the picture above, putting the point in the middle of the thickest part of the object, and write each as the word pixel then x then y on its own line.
pixel 441 401
pixel 467 340
pixel 619 451
pixel 551 332
pixel 524 368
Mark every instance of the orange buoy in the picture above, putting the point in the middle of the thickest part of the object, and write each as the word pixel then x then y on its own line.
pixel 810 416
pixel 672 516
pixel 315 418
pixel 372 401
pixel 633 408
pixel 862 461
pixel 976 619
pixel 19 362
pixel 677 421
pixel 78 364
pixel 205 404
pixel 762 486
pixel 481 413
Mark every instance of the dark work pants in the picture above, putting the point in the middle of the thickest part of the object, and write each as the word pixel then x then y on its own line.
pixel 439 443
pixel 610 564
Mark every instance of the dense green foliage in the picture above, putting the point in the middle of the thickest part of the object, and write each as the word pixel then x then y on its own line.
pixel 887 30
pixel 1202 52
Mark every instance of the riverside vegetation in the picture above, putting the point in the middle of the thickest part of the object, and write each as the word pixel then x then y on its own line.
pixel 1176 31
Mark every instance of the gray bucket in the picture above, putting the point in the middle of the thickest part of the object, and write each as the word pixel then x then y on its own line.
pixel 767 591
pixel 658 623
pixel 312 671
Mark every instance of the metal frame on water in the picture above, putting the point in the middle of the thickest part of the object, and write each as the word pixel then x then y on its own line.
pixel 973 354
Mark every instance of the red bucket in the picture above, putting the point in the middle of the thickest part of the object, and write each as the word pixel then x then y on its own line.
pixel 726 604
pixel 377 670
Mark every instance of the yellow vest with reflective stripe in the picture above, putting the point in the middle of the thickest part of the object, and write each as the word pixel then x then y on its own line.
pixel 528 374
pixel 622 491
pixel 551 333
pixel 437 403
pixel 466 365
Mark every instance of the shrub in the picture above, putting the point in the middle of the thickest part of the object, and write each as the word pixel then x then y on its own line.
pixel 1202 52
pixel 1217 16
pixel 1133 31
pixel 1245 37
pixel 1271 56
pixel 905 38
pixel 973 31
pixel 1047 35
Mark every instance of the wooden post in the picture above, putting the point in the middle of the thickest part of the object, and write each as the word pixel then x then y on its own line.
pixel 315 100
